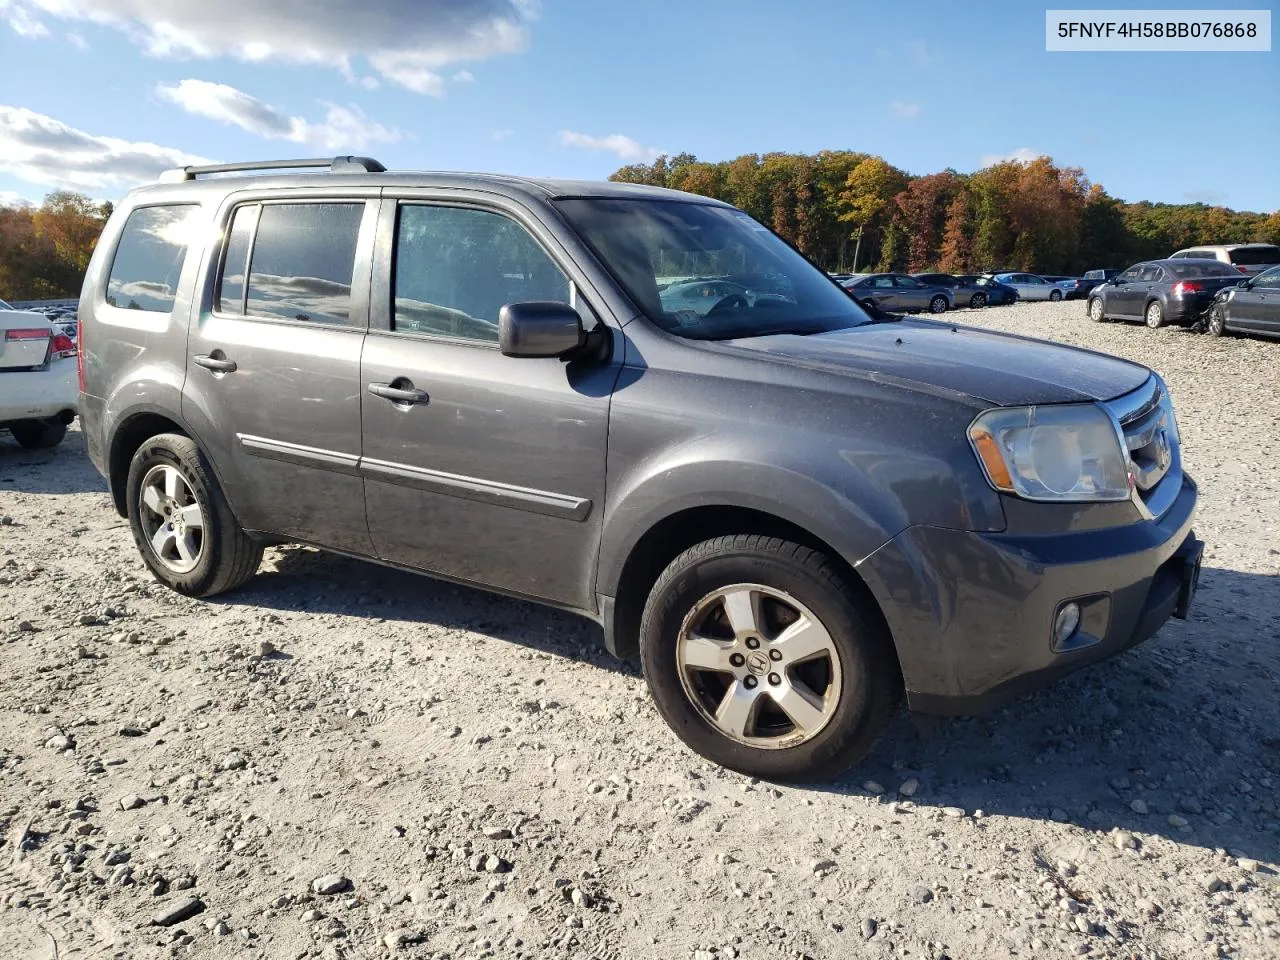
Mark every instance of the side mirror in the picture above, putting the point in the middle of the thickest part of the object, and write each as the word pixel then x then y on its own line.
pixel 1245 284
pixel 539 328
pixel 1117 281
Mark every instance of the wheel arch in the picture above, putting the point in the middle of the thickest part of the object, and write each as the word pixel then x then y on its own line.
pixel 674 533
pixel 134 429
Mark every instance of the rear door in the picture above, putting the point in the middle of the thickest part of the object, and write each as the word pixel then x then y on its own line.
pixel 882 290
pixel 273 378
pixel 493 473
pixel 912 294
pixel 1257 308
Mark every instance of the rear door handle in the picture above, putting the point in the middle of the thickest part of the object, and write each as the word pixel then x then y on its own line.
pixel 410 395
pixel 216 364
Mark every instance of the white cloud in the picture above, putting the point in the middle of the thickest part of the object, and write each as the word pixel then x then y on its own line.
pixel 464 76
pixel 907 111
pixel 77 41
pixel 625 147
pixel 920 53
pixel 11 198
pixel 343 128
pixel 406 41
pixel 502 133
pixel 1021 155
pixel 40 149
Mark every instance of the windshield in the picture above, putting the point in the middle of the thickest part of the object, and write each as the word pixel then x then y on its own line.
pixel 1253 256
pixel 5 306
pixel 709 272
pixel 1202 268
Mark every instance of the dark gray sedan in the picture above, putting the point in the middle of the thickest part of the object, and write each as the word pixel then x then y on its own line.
pixel 898 293
pixel 1251 306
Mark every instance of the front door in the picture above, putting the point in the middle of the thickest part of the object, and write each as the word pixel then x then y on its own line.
pixel 912 294
pixel 1258 307
pixel 273 366
pixel 490 469
pixel 1126 299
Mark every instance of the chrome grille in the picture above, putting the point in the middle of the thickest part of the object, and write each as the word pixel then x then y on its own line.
pixel 1150 437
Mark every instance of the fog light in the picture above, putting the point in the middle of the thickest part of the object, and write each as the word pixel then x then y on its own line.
pixel 1066 622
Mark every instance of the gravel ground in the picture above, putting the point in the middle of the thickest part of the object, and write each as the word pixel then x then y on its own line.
pixel 344 761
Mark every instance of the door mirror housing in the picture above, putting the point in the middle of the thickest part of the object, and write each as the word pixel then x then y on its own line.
pixel 540 328
pixel 1117 281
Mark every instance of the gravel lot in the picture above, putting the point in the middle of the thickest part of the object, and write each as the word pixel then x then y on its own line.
pixel 344 761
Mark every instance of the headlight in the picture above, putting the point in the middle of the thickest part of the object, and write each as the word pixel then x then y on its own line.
pixel 1070 452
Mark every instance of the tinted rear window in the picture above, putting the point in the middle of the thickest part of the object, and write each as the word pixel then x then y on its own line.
pixel 1252 256
pixel 148 260
pixel 1201 268
pixel 303 260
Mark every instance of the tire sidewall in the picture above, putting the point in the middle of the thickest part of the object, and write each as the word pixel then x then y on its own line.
pixel 1055 295
pixel 977 301
pixel 1097 310
pixel 38 434
pixel 159 451
pixel 816 758
pixel 1159 317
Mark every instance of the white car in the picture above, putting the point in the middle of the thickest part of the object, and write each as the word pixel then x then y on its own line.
pixel 39 386
pixel 1032 287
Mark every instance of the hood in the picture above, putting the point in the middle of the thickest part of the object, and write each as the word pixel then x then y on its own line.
pixel 998 368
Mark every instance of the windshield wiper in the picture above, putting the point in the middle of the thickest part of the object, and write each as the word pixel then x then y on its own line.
pixel 768 332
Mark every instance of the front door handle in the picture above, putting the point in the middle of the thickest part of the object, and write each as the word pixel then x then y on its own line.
pixel 218 364
pixel 409 395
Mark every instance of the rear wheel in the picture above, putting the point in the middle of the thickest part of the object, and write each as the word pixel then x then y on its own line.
pixel 1055 295
pixel 978 300
pixel 181 522
pixel 764 659
pixel 1097 311
pixel 1216 325
pixel 938 304
pixel 38 434
pixel 1154 315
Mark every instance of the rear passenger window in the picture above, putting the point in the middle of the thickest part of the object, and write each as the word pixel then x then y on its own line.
pixel 149 257
pixel 302 262
pixel 235 260
pixel 456 267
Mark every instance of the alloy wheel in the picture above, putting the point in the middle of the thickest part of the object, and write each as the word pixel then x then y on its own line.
pixel 171 518
pixel 1096 313
pixel 759 666
pixel 978 300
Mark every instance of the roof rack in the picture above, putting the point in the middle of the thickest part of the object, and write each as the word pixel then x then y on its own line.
pixel 333 164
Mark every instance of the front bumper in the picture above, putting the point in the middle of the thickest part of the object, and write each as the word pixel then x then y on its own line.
pixel 39 394
pixel 972 613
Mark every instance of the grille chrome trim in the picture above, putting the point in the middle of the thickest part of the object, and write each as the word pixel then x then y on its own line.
pixel 1148 433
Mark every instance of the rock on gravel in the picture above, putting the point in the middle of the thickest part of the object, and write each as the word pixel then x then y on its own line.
pixel 330 884
pixel 178 912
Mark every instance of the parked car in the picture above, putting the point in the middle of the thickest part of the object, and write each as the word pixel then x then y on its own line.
pixel 1251 306
pixel 1161 292
pixel 1070 286
pixel 38 393
pixel 701 296
pixel 898 293
pixel 1031 286
pixel 1093 278
pixel 986 291
pixel 474 377
pixel 1247 258
pixel 969 290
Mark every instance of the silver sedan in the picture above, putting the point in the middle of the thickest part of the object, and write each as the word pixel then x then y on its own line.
pixel 899 293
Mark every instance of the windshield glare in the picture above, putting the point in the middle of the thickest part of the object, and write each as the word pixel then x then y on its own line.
pixel 709 272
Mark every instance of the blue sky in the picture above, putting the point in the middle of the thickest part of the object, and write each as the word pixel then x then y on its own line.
pixel 99 94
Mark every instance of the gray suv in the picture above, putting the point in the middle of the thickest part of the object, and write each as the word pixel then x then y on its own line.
pixel 792 511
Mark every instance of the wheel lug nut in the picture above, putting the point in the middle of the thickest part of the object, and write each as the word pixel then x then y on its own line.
pixel 749 682
pixel 752 643
pixel 737 659
pixel 775 655
pixel 774 679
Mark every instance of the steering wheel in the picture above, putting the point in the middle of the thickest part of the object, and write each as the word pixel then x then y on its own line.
pixel 732 303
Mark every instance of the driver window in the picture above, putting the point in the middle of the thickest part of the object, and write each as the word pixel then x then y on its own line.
pixel 456 267
pixel 1132 273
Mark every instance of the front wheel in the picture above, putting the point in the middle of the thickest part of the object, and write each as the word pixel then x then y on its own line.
pixel 938 304
pixel 763 658
pixel 181 522
pixel 1097 312
pixel 1055 295
pixel 38 434
pixel 1155 315
pixel 1216 325
pixel 978 300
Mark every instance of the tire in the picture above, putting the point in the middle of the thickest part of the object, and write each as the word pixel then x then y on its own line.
pixel 848 711
pixel 938 304
pixel 869 305
pixel 38 434
pixel 1154 315
pixel 1216 324
pixel 978 301
pixel 1097 310
pixel 222 557
pixel 1055 295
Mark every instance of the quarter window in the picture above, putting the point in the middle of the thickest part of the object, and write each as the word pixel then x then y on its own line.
pixel 236 259
pixel 302 262
pixel 149 257
pixel 456 267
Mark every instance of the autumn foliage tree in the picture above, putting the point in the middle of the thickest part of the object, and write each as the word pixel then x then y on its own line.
pixel 44 250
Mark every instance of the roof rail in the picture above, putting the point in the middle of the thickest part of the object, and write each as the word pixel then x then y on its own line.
pixel 333 164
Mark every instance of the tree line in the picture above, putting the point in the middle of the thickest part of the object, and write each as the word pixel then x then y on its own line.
pixel 848 210
pixel 45 250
